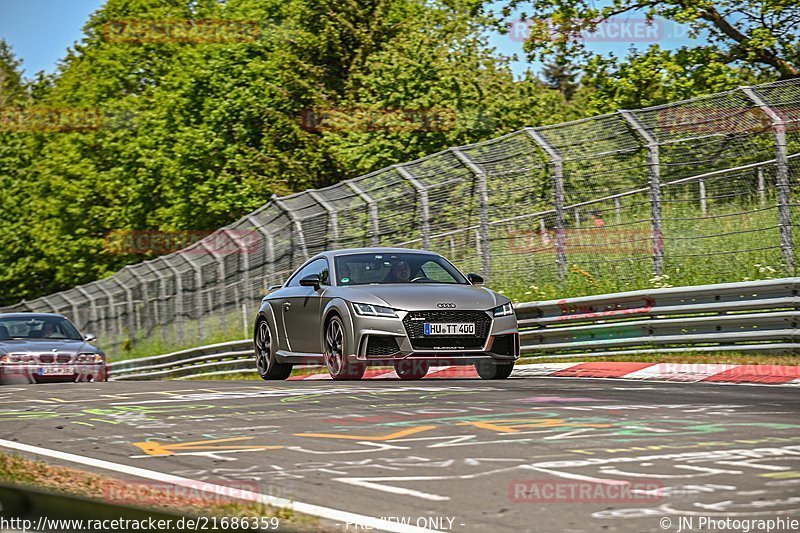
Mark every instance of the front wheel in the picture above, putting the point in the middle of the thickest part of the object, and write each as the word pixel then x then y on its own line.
pixel 266 364
pixel 335 354
pixel 491 370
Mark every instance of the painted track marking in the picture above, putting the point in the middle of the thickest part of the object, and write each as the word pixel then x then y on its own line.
pixel 301 507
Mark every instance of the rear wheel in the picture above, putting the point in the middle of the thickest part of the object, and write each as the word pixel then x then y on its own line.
pixel 266 364
pixel 492 370
pixel 335 354
pixel 411 369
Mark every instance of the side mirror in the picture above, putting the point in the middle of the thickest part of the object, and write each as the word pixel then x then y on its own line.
pixel 475 279
pixel 90 337
pixel 312 280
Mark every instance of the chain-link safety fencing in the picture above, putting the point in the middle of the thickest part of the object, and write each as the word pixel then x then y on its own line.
pixel 696 192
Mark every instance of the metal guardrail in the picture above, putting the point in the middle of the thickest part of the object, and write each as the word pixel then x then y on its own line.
pixel 746 316
pixel 759 316
pixel 236 356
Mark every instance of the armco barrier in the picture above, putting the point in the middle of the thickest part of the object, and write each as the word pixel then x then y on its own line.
pixel 746 316
pixel 761 316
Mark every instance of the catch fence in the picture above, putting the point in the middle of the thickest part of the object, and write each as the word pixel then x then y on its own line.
pixel 696 192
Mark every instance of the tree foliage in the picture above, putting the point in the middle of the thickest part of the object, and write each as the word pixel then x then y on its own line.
pixel 194 135
pixel 739 42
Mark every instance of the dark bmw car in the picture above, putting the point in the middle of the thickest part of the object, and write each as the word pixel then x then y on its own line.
pixel 43 347
pixel 411 309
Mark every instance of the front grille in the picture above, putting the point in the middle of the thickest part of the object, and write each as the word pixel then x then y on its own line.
pixel 415 320
pixel 503 345
pixel 46 358
pixel 64 358
pixel 381 345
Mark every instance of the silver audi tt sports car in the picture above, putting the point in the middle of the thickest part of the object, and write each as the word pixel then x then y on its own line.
pixel 384 306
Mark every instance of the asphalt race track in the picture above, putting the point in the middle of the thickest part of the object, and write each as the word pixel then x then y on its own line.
pixel 535 454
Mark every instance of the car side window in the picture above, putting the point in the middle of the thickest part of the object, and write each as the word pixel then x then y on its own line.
pixel 435 272
pixel 319 266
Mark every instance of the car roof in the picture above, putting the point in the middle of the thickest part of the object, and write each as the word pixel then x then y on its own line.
pixel 372 250
pixel 31 314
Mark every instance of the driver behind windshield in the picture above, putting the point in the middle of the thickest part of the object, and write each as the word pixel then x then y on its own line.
pixel 48 330
pixel 400 273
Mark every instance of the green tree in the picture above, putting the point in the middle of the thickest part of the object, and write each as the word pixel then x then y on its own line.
pixel 195 134
pixel 744 42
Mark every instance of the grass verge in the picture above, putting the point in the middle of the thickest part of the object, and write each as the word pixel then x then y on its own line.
pixel 20 471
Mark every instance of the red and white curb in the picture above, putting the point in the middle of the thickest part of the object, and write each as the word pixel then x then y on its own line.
pixel 681 372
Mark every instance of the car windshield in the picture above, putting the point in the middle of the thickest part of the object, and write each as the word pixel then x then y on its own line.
pixel 37 327
pixel 387 268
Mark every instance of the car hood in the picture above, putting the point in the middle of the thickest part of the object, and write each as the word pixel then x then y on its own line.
pixel 43 346
pixel 426 296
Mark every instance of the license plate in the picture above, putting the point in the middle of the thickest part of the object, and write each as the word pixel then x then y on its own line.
pixel 450 329
pixel 56 370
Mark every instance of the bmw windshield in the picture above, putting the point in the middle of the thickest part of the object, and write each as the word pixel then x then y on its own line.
pixel 390 268
pixel 37 327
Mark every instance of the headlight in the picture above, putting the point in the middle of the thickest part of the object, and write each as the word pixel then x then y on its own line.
pixel 374 310
pixel 504 310
pixel 5 359
pixel 89 358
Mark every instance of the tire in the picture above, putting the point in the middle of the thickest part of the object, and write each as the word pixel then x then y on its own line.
pixel 268 367
pixel 491 370
pixel 411 369
pixel 335 350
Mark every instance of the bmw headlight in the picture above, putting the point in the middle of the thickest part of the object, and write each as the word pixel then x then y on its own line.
pixel 504 310
pixel 374 310
pixel 89 358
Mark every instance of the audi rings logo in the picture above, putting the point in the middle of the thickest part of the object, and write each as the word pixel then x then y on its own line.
pixel 446 306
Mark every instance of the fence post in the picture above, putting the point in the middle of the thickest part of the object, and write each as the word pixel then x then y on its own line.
pixel 703 198
pixel 422 192
pixel 198 277
pixel 179 310
pixel 111 313
pixel 654 163
pixel 245 251
pixel 333 216
pixel 220 260
pixel 161 300
pixel 372 206
pixel 781 177
pixel 557 162
pixel 262 229
pixel 52 307
pixel 145 300
pixel 75 314
pixel 762 189
pixel 92 310
pixel 298 226
pixel 131 312
pixel 483 199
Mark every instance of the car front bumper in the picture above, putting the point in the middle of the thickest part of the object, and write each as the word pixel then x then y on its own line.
pixel 499 342
pixel 21 373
